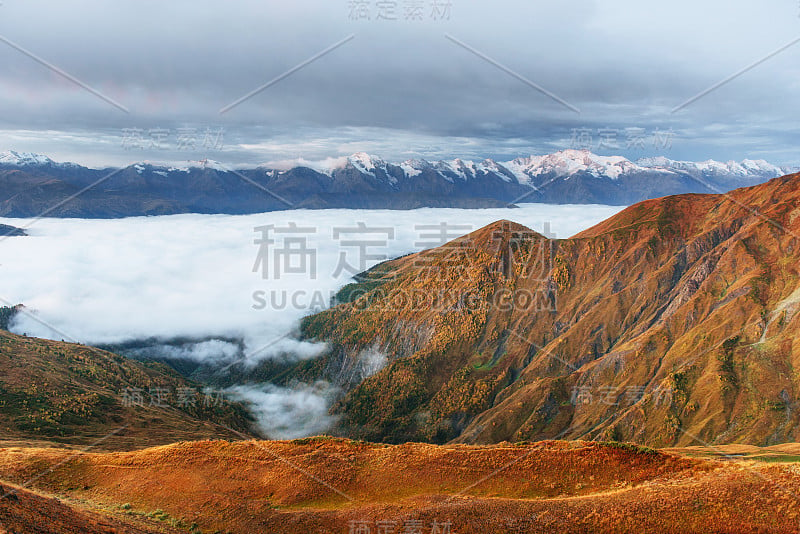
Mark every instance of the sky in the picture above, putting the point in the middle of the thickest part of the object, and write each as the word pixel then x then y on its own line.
pixel 251 82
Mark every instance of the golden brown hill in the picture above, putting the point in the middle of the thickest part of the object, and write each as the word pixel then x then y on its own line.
pixel 672 323
pixel 73 394
pixel 28 512
pixel 325 485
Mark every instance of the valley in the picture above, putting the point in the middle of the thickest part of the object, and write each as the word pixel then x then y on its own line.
pixel 635 377
pixel 671 323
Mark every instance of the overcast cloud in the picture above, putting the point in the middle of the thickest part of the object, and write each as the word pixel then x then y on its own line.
pixel 399 88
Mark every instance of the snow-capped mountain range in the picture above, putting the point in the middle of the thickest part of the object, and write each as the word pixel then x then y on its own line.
pixel 526 170
pixel 362 181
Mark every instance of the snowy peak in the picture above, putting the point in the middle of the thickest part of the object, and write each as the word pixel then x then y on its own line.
pixel 365 163
pixel 212 164
pixel 24 159
pixel 12 158
pixel 415 167
pixel 162 169
pixel 465 170
pixel 747 167
pixel 760 165
pixel 569 162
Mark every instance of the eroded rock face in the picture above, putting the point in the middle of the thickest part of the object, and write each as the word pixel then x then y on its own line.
pixel 670 322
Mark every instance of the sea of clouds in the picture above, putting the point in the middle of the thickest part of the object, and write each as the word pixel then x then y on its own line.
pixel 191 277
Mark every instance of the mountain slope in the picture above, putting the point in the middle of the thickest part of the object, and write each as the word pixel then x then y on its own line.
pixel 673 322
pixel 73 394
pixel 25 511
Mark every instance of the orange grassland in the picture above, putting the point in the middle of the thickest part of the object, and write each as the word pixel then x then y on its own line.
pixel 326 485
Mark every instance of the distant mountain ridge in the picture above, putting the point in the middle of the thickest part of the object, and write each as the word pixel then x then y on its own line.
pixel 31 184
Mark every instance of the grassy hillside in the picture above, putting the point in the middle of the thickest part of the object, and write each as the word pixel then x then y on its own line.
pixel 31 512
pixel 331 486
pixel 73 394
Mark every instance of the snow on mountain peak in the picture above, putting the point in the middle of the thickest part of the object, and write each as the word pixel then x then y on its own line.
pixel 365 163
pixel 657 161
pixel 748 167
pixel 12 157
pixel 214 165
pixel 760 165
pixel 326 166
pixel 414 167
pixel 568 162
pixel 526 170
